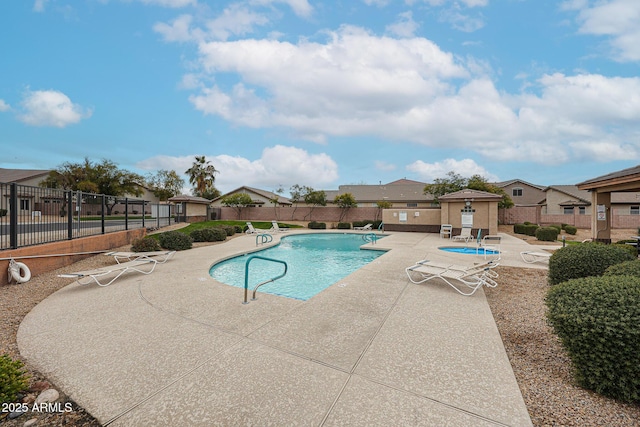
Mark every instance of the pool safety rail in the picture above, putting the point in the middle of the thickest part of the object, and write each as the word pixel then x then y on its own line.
pixel 263 238
pixel 370 238
pixel 246 275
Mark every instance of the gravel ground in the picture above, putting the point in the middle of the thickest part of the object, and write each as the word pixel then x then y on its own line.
pixel 542 369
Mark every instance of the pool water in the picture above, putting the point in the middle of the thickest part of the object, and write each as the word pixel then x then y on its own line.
pixel 315 262
pixel 469 251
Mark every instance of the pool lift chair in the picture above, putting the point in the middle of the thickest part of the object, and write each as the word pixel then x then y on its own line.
pixel 465 280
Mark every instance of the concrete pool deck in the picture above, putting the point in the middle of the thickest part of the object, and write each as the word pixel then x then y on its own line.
pixel 177 348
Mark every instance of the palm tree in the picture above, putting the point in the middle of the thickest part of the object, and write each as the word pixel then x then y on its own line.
pixel 201 175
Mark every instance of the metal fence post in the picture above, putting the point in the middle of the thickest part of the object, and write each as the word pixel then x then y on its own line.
pixel 13 216
pixel 102 208
pixel 126 213
pixel 70 214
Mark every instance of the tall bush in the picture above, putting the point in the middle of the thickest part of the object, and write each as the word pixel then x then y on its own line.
pixel 584 260
pixel 13 379
pixel 175 241
pixel 547 234
pixel 598 322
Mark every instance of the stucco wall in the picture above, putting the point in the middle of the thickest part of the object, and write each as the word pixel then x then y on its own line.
pixel 103 242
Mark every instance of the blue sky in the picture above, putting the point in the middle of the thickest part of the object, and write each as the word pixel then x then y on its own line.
pixel 322 93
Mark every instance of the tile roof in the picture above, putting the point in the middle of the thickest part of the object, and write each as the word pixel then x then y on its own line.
pixel 397 191
pixel 17 175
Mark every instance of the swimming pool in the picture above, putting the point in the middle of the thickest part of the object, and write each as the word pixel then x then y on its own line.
pixel 315 262
pixel 469 251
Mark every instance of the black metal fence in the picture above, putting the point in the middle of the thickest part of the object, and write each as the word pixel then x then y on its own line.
pixel 34 215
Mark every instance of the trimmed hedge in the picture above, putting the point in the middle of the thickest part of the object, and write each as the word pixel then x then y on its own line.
pixel 527 229
pixel 13 379
pixel 175 241
pixel 145 244
pixel 584 260
pixel 314 225
pixel 627 268
pixel 343 226
pixel 570 229
pixel 211 234
pixel 598 321
pixel 547 234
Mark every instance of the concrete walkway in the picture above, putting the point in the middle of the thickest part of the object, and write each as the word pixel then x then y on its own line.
pixel 177 348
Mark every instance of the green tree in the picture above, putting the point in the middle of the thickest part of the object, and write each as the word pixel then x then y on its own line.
pixel 455 182
pixel 275 200
pixel 237 201
pixel 298 193
pixel 345 202
pixel 202 176
pixel 101 178
pixel 315 198
pixel 165 184
pixel 382 204
pixel 442 186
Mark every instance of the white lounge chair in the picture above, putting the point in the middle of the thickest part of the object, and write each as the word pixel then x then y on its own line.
pixel 250 229
pixel 466 280
pixel 275 228
pixel 531 257
pixel 159 256
pixel 364 228
pixel 88 276
pixel 465 234
pixel 445 231
pixel 490 243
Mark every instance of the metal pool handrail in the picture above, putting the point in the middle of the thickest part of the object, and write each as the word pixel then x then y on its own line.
pixel 264 238
pixel 246 276
pixel 370 237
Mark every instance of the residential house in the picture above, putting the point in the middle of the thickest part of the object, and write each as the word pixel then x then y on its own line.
pixel 259 197
pixel 522 193
pixel 403 193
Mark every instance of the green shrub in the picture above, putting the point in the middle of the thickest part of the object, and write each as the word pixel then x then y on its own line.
pixel 583 260
pixel 239 229
pixel 229 229
pixel 570 229
pixel 175 241
pixel 598 321
pixel 627 268
pixel 527 229
pixel 343 226
pixel 633 249
pixel 13 379
pixel 210 234
pixel 317 225
pixel 145 244
pixel 361 223
pixel 557 227
pixel 547 234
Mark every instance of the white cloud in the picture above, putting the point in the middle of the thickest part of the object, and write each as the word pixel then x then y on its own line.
pixel 300 7
pixel 278 165
pixel 51 108
pixel 405 26
pixel 177 31
pixel 39 5
pixel 465 168
pixel 235 20
pixel 171 3
pixel 462 21
pixel 617 19
pixel 4 106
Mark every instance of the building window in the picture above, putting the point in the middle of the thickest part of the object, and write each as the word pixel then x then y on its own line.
pixel 568 210
pixel 412 205
pixel 582 210
pixel 24 204
pixel 634 210
pixel 516 192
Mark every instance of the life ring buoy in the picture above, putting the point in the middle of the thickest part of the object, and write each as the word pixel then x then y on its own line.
pixel 19 272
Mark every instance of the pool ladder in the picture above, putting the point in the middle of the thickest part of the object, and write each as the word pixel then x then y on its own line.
pixel 370 238
pixel 246 275
pixel 261 239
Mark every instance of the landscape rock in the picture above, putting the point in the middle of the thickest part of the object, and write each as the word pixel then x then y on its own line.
pixel 49 395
